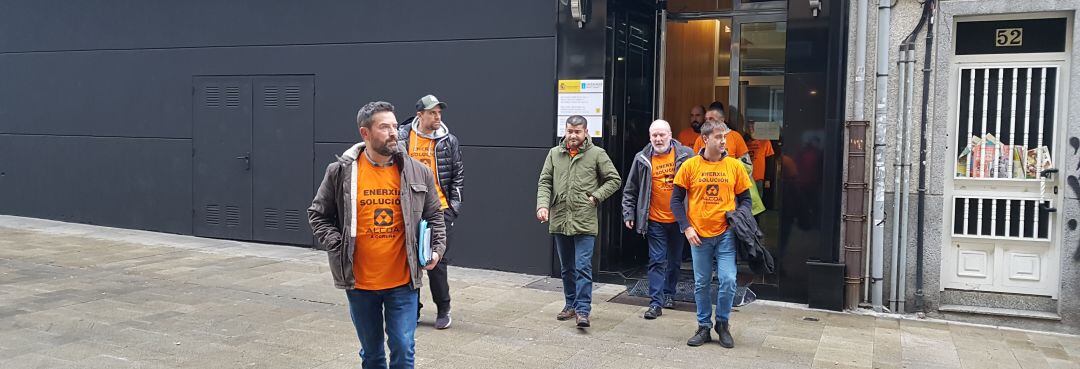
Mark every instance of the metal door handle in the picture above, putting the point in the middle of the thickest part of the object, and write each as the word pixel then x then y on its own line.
pixel 247 160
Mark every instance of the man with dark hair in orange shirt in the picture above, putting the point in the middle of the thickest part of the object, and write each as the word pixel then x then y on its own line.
pixel 708 186
pixel 366 214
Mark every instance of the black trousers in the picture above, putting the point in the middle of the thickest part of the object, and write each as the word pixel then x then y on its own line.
pixel 437 280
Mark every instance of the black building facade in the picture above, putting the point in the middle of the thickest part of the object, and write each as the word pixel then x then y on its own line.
pixel 217 119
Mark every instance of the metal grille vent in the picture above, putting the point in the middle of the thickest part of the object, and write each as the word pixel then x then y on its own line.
pixel 270 96
pixel 293 219
pixel 270 218
pixel 232 96
pixel 212 96
pixel 292 96
pixel 213 215
pixel 232 216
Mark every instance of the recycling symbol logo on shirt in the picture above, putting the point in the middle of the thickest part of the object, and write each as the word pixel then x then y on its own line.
pixel 712 190
pixel 384 217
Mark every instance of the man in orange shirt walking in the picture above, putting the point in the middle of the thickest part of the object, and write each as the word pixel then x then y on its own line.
pixel 708 186
pixel 734 145
pixel 427 139
pixel 646 206
pixel 366 214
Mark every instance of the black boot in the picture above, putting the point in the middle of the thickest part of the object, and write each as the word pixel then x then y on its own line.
pixel 725 335
pixel 700 337
pixel 653 312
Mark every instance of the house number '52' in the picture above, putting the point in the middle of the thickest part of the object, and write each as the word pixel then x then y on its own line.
pixel 1009 37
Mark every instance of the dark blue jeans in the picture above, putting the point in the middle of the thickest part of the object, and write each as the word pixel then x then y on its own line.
pixel 575 257
pixel 665 256
pixel 392 311
pixel 714 253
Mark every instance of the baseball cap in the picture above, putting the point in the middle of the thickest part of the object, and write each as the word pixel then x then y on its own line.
pixel 429 102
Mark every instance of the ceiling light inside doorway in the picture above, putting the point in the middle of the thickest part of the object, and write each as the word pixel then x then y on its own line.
pixel 727 29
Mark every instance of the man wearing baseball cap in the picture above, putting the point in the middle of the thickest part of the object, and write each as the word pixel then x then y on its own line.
pixel 428 140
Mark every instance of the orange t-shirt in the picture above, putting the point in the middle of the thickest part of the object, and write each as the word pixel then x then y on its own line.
pixel 759 150
pixel 574 152
pixel 736 146
pixel 711 187
pixel 687 136
pixel 663 175
pixel 733 142
pixel 423 150
pixel 380 259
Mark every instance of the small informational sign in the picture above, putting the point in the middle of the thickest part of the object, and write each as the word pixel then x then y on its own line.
pixel 584 97
pixel 767 130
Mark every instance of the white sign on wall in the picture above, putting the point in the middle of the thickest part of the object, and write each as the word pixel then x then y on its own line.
pixel 584 97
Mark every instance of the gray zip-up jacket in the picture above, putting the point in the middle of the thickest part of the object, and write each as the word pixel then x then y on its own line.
pixel 332 214
pixel 637 192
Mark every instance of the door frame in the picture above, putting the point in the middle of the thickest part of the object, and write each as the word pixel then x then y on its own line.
pixel 1059 60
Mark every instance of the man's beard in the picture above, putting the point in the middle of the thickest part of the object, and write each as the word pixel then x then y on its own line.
pixel 390 148
pixel 696 126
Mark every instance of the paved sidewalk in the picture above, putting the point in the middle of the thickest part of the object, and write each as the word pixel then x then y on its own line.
pixel 77 296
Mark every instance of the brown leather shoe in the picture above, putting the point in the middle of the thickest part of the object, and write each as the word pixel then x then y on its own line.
pixel 566 314
pixel 582 321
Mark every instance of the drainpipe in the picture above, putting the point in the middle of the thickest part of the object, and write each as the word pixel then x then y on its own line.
pixel 929 12
pixel 905 190
pixel 880 117
pixel 898 172
pixel 856 256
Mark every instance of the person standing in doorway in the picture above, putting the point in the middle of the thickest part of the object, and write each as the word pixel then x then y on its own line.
pixel 646 207
pixel 687 136
pixel 735 145
pixel 366 214
pixel 759 151
pixel 708 186
pixel 577 176
pixel 428 140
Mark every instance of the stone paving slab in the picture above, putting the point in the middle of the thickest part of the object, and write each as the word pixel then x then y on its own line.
pixel 79 296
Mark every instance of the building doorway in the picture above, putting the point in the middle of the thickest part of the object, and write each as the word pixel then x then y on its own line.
pixel 732 52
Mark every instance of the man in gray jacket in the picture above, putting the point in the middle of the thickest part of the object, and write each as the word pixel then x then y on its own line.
pixel 366 214
pixel 646 207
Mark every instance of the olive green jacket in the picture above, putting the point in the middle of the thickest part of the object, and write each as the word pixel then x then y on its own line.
pixel 566 184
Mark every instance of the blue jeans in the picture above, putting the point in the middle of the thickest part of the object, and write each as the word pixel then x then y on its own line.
pixel 575 257
pixel 665 257
pixel 396 308
pixel 718 252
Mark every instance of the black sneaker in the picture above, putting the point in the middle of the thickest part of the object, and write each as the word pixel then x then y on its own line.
pixel 669 302
pixel 722 329
pixel 653 312
pixel 701 337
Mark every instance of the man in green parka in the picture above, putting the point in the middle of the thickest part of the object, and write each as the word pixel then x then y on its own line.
pixel 576 177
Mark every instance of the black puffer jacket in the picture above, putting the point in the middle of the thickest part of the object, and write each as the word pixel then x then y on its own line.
pixel 448 161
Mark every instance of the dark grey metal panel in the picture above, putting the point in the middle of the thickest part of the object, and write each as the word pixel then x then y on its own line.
pixel 223 153
pixel 83 25
pixel 128 183
pixel 489 85
pixel 130 94
pixel 282 149
pixel 497 228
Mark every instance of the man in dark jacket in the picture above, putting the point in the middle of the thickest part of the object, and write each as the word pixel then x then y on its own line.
pixel 428 139
pixel 646 207
pixel 366 214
